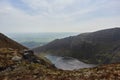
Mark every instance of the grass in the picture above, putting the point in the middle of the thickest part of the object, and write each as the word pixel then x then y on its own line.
pixel 25 70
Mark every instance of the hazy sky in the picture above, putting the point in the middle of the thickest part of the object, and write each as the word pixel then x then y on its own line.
pixel 58 15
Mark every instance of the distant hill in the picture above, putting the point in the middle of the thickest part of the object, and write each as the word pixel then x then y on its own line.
pixel 96 47
pixel 33 40
pixel 33 44
pixel 6 42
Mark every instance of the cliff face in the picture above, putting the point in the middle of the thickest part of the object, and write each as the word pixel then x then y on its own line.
pixel 96 47
pixel 6 42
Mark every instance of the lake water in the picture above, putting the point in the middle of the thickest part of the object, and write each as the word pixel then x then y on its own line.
pixel 67 63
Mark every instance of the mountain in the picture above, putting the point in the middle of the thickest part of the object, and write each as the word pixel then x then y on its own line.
pixel 19 65
pixel 98 47
pixel 33 44
pixel 8 48
pixel 6 42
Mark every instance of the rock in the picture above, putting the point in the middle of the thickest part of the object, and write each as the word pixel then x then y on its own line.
pixel 16 58
pixel 29 55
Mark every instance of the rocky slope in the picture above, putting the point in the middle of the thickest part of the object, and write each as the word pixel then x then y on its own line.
pixel 96 47
pixel 25 69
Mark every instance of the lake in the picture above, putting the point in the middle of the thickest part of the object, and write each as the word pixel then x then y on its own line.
pixel 67 63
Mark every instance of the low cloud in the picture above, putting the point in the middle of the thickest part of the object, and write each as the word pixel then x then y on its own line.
pixel 58 15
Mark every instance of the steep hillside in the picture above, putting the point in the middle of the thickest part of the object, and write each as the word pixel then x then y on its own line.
pixel 6 42
pixel 96 47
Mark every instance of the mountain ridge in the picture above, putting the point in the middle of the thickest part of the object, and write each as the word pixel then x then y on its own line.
pixel 95 47
pixel 6 42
